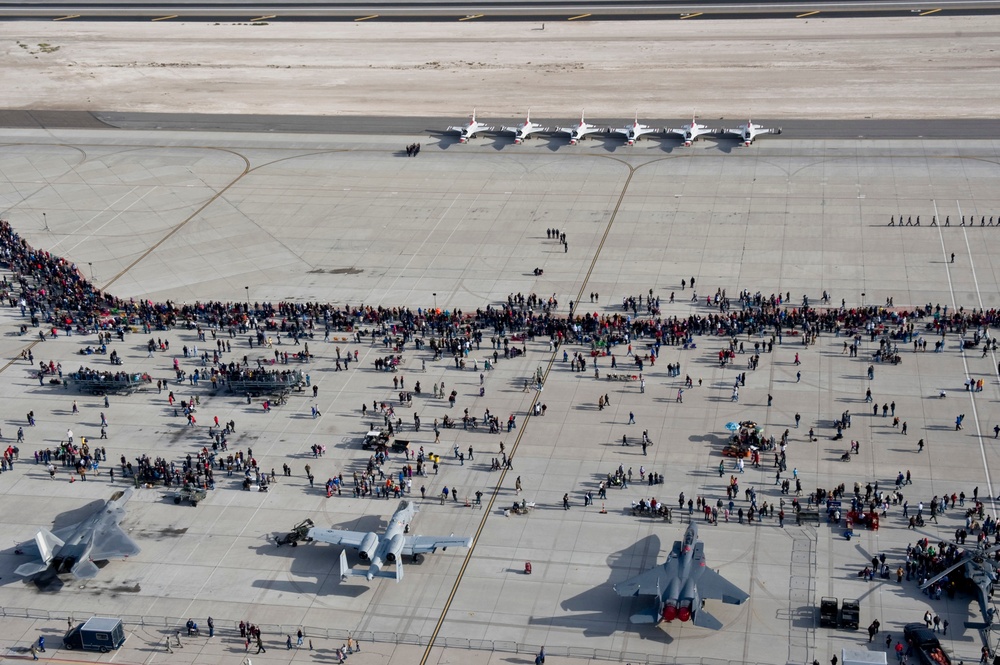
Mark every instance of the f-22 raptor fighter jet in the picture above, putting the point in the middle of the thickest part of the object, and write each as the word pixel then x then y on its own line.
pixel 679 584
pixel 75 548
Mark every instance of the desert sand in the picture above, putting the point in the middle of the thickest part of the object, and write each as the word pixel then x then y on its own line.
pixel 934 66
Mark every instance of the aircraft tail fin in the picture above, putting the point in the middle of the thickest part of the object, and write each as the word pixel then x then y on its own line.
pixel 582 114
pixel 85 570
pixel 473 114
pixel 706 620
pixel 345 570
pixel 527 118
pixel 47 543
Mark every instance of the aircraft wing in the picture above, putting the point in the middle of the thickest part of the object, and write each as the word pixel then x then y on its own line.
pixel 424 544
pixel 654 580
pixel 337 537
pixel 111 542
pixel 460 129
pixel 714 586
pixel 512 130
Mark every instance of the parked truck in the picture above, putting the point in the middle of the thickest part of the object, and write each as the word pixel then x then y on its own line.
pixel 96 634
pixel 924 644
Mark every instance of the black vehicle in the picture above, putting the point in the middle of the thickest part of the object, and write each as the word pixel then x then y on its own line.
pixel 850 614
pixel 829 612
pixel 925 644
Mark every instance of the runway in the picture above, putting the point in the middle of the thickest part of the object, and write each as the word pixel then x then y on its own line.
pixel 590 10
pixel 863 129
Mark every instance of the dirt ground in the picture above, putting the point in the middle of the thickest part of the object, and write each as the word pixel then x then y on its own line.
pixel 934 66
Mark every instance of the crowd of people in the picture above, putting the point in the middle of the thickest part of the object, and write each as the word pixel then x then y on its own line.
pixel 52 291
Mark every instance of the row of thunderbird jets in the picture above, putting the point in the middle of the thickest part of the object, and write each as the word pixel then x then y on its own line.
pixel 689 133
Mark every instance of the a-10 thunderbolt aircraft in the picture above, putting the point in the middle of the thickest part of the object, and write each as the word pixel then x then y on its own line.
pixel 750 131
pixel 74 549
pixel 677 586
pixel 389 548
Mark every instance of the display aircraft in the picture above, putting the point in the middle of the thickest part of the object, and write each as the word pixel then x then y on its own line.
pixel 750 131
pixel 74 549
pixel 635 130
pixel 677 586
pixel 690 133
pixel 389 548
pixel 523 131
pixel 980 570
pixel 577 133
pixel 469 131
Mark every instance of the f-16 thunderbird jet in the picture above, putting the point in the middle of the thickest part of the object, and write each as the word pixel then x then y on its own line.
pixel 750 131
pixel 635 130
pixel 578 132
pixel 522 132
pixel 690 133
pixel 389 548
pixel 679 584
pixel 469 130
pixel 75 548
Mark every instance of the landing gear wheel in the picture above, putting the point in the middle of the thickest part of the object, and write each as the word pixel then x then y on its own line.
pixel 418 558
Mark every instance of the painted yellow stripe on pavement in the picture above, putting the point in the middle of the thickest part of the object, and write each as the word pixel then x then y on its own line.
pixel 573 18
pixel 930 11
pixel 691 15
pixel 469 18
pixel 63 18
pixel 366 18
pixel 165 18
pixel 808 14
pixel 263 18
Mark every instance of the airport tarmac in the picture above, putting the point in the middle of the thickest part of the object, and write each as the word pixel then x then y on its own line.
pixel 351 219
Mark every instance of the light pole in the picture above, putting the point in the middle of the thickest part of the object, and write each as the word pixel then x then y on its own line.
pixel 435 302
pixel 248 297
pixel 46 221
pixel 91 271
pixel 862 300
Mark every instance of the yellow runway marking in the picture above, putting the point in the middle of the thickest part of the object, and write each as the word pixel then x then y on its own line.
pixel 469 18
pixel 808 14
pixel 691 15
pixel 573 18
pixel 165 18
pixel 930 11
pixel 263 18
pixel 365 18
pixel 63 18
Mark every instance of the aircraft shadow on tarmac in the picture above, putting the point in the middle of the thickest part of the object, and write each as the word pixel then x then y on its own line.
pixel 599 611
pixel 445 139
